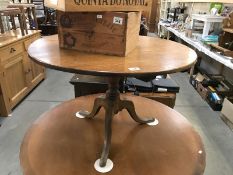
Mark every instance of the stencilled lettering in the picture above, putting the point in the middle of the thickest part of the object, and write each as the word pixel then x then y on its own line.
pixel 111 2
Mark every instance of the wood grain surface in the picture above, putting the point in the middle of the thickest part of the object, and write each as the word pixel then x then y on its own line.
pixel 58 143
pixel 14 35
pixel 111 33
pixel 152 56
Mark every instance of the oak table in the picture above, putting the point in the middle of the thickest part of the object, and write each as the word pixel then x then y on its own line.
pixel 150 57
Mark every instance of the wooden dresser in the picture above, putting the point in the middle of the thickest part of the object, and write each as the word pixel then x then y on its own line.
pixel 18 74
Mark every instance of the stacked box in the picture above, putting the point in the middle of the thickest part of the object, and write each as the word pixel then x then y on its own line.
pixel 202 91
pixel 112 33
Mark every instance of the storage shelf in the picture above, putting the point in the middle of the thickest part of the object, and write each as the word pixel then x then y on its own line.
pixel 225 51
pixel 201 47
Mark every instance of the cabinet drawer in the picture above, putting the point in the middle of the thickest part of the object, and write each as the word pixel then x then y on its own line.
pixel 11 51
pixel 29 41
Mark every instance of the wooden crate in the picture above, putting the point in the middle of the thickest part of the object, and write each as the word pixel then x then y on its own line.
pixel 202 91
pixel 113 33
pixel 99 5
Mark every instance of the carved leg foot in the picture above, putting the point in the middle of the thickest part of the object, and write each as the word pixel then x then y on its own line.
pixel 129 106
pixel 99 102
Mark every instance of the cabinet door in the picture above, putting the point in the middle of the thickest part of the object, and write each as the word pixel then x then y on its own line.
pixel 15 79
pixel 37 72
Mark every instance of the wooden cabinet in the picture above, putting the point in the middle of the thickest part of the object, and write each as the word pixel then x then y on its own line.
pixel 14 78
pixel 19 75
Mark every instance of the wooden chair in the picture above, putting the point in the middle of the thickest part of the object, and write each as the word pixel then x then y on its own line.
pixel 12 12
pixel 29 10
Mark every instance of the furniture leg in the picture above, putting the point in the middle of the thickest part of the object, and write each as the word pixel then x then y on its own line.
pixel 34 17
pixel 30 19
pixel 129 106
pixel 159 28
pixel 168 34
pixel 21 24
pixel 96 108
pixel 1 25
pixel 112 105
pixel 13 22
pixel 191 71
pixel 109 113
pixel 24 20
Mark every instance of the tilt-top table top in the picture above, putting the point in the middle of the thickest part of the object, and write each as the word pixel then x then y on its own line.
pixel 152 56
pixel 58 143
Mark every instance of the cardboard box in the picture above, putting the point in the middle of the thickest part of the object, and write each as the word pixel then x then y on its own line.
pixel 213 99
pixel 112 33
pixel 227 109
pixel 99 5
pixel 225 89
pixel 196 79
pixel 202 91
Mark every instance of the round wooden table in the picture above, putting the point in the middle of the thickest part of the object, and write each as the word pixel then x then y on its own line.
pixel 150 57
pixel 60 144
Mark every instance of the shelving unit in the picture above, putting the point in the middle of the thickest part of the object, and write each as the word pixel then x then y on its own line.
pixel 39 8
pixel 46 24
pixel 165 4
pixel 208 20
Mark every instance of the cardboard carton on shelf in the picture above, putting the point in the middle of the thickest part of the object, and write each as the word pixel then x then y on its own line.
pixel 213 99
pixel 202 91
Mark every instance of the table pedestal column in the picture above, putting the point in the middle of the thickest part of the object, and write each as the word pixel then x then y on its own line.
pixel 112 105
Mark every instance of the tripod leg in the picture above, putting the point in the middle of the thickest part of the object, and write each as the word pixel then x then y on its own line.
pixel 108 134
pixel 129 106
pixel 99 102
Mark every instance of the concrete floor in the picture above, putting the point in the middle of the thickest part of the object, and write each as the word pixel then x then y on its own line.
pixel 217 137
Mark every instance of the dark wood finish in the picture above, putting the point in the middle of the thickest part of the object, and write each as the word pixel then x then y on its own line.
pixel 154 16
pixel 146 57
pixel 166 98
pixel 223 50
pixel 152 55
pixel 87 84
pixel 225 43
pixel 112 104
pixel 228 22
pixel 59 143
